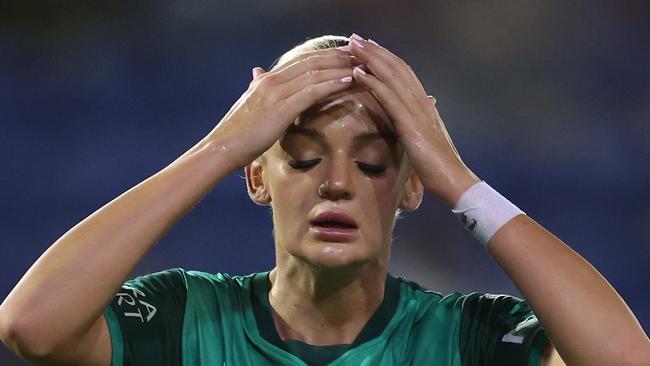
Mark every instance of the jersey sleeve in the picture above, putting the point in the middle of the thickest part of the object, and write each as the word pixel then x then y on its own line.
pixel 500 330
pixel 145 320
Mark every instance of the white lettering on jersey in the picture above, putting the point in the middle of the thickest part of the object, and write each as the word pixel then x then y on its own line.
pixel 151 310
pixel 511 338
pixel 131 300
pixel 514 336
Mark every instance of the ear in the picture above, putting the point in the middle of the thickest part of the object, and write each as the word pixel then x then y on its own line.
pixel 257 188
pixel 413 192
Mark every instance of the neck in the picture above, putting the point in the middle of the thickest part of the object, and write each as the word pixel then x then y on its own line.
pixel 325 306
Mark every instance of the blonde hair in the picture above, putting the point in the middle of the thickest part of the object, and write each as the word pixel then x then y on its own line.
pixel 313 44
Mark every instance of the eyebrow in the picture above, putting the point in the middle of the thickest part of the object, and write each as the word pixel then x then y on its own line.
pixel 357 140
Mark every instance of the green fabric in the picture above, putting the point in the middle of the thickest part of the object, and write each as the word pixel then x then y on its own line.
pixel 116 337
pixel 218 327
pixel 149 314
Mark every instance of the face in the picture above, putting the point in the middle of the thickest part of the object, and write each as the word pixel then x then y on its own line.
pixel 335 181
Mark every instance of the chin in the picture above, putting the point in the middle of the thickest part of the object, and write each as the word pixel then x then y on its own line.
pixel 336 255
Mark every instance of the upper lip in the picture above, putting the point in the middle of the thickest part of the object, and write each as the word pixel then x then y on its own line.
pixel 334 216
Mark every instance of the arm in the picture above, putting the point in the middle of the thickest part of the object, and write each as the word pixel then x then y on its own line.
pixel 578 308
pixel 54 314
pixel 58 303
pixel 575 304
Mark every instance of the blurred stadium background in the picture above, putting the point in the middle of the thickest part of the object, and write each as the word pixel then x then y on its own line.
pixel 549 102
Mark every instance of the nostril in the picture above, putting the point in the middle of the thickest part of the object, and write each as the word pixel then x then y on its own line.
pixel 334 191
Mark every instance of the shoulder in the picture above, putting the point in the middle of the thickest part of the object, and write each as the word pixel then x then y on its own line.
pixel 190 283
pixel 431 301
pixel 181 275
pixel 219 280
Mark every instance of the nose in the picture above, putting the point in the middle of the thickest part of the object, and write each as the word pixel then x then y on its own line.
pixel 337 183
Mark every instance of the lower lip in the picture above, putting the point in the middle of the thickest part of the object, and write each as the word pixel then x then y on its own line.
pixel 335 234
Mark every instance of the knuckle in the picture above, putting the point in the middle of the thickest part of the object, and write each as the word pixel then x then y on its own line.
pixel 390 100
pixel 311 91
pixel 268 79
pixel 313 61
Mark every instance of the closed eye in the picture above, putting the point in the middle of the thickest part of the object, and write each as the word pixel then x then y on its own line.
pixel 371 169
pixel 304 164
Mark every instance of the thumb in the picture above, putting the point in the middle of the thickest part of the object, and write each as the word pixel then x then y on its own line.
pixel 432 99
pixel 257 71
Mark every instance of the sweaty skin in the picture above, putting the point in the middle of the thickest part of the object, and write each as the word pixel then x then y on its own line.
pixel 324 292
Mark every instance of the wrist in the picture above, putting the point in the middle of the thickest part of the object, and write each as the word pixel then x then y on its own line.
pixel 483 211
pixel 450 187
pixel 219 152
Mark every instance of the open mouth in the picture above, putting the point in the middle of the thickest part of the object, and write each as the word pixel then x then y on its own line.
pixel 334 224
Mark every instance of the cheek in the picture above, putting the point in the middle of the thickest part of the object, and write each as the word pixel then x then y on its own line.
pixel 380 203
pixel 290 197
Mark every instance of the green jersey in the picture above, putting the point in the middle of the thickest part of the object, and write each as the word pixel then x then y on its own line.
pixel 179 317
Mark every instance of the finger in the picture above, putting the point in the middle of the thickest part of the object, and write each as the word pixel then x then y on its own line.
pixel 390 69
pixel 314 62
pixel 392 58
pixel 432 99
pixel 314 77
pixel 385 95
pixel 338 51
pixel 257 71
pixel 303 99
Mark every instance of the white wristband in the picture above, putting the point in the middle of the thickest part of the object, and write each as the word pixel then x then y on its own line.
pixel 483 211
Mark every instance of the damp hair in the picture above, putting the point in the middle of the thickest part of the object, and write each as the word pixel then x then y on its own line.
pixel 311 44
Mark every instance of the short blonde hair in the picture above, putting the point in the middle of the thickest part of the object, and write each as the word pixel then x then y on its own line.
pixel 313 44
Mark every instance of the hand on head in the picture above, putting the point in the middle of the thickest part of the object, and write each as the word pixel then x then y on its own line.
pixel 275 98
pixel 414 117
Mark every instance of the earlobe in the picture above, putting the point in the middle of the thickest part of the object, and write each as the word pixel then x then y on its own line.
pixel 413 193
pixel 257 188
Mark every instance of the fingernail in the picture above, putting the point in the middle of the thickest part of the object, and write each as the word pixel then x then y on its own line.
pixel 356 42
pixel 345 48
pixel 356 36
pixel 360 70
pixel 373 42
pixel 253 72
pixel 346 79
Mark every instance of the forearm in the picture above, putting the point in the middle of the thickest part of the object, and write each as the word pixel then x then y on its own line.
pixel 585 318
pixel 69 286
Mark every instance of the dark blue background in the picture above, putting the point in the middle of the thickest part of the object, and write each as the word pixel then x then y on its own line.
pixel 548 102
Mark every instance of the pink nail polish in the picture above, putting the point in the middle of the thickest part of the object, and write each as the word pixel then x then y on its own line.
pixel 356 42
pixel 360 70
pixel 347 79
pixel 373 42
pixel 356 36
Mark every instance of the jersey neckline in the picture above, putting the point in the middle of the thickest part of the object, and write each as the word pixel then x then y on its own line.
pixel 310 354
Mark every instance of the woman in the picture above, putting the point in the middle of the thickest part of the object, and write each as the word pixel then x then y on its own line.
pixel 337 138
